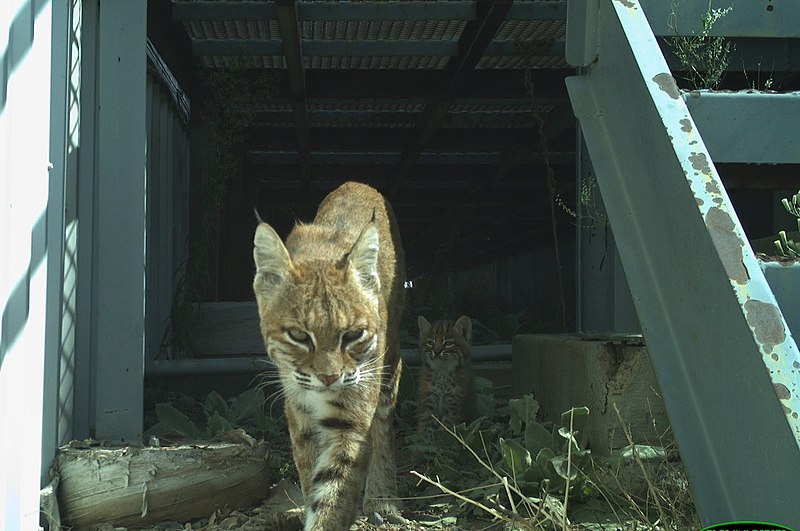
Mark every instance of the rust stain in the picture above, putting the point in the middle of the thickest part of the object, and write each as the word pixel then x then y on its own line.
pixel 766 322
pixel 728 244
pixel 667 83
pixel 782 391
pixel 700 162
pixel 686 125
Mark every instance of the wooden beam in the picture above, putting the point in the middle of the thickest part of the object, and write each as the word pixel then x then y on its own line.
pixel 425 84
pixel 475 37
pixel 291 35
pixel 363 47
pixel 435 158
pixel 118 320
pixel 414 10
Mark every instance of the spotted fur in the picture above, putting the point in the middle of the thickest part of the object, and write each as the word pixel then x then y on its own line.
pixel 446 381
pixel 329 304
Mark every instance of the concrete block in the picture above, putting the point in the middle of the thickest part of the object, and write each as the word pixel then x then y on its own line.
pixel 564 371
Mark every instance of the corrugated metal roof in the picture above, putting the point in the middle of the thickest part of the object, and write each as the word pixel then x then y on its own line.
pixel 429 93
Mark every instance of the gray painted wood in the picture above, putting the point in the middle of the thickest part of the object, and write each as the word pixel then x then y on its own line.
pixel 57 408
pixel 83 420
pixel 119 232
pixel 724 358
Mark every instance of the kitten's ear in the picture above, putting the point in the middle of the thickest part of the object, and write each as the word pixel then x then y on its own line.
pixel 363 258
pixel 424 325
pixel 270 255
pixel 464 326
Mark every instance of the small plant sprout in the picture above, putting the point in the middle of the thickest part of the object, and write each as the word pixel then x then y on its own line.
pixel 786 246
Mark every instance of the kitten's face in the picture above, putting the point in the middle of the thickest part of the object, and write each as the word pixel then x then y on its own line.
pixel 442 344
pixel 320 330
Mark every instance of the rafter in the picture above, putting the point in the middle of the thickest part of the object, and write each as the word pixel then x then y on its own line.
pixel 292 51
pixel 475 37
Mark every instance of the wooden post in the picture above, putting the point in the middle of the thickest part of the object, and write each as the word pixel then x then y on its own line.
pixel 118 321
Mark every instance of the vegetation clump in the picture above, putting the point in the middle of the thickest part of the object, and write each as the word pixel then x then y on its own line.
pixel 704 57
pixel 506 470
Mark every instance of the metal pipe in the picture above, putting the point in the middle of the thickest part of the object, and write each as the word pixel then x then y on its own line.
pixel 257 364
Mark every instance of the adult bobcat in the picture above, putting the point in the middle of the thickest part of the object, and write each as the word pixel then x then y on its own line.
pixel 329 303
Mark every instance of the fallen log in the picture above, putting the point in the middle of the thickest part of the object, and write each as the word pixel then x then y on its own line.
pixel 132 486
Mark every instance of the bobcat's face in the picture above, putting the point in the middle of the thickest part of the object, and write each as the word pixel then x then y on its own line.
pixel 441 351
pixel 320 325
pixel 444 344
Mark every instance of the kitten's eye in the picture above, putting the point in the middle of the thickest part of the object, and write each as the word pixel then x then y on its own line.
pixel 429 343
pixel 297 335
pixel 352 335
pixel 449 344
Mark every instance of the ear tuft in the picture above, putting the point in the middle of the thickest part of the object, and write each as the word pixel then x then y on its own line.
pixel 270 255
pixel 424 325
pixel 464 326
pixel 363 258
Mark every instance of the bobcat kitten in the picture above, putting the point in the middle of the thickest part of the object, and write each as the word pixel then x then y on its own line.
pixel 329 303
pixel 446 386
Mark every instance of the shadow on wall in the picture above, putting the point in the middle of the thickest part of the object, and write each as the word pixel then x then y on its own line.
pixel 15 311
pixel 20 40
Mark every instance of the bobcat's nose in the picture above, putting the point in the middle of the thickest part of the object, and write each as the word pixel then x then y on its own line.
pixel 327 379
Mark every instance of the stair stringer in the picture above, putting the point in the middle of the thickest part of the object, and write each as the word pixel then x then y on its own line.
pixel 726 362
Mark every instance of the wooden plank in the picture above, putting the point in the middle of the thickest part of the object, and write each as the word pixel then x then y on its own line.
pixel 226 328
pixel 164 208
pixel 151 208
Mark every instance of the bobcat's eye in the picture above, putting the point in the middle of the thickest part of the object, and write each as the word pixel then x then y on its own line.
pixel 352 335
pixel 429 343
pixel 298 335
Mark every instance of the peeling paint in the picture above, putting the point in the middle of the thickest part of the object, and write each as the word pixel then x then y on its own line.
pixel 700 162
pixel 713 188
pixel 728 244
pixel 765 320
pixel 627 3
pixel 775 357
pixel 686 125
pixel 796 365
pixel 667 83
pixel 782 391
pixel 699 201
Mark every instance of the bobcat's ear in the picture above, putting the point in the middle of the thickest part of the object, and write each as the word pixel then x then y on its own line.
pixel 424 325
pixel 464 325
pixel 270 255
pixel 363 258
